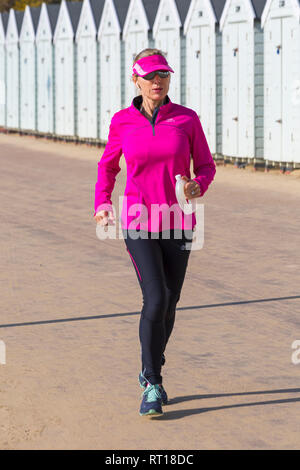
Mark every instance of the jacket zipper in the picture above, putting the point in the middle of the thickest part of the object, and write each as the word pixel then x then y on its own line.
pixel 154 116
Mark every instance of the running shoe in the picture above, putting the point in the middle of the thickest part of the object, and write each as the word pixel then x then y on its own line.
pixel 152 401
pixel 143 384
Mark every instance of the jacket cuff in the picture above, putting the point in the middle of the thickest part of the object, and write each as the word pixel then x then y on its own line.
pixel 201 185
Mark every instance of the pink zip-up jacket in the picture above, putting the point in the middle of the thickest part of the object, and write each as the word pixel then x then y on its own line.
pixel 155 152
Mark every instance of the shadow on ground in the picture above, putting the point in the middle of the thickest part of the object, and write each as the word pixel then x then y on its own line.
pixel 128 314
pixel 177 414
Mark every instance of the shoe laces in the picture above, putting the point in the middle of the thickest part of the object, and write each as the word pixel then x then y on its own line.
pixel 152 392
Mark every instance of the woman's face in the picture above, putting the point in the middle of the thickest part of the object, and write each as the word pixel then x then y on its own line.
pixel 155 89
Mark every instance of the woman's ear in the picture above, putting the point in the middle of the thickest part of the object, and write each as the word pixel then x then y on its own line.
pixel 135 81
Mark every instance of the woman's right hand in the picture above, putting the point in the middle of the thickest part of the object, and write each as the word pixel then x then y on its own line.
pixel 102 218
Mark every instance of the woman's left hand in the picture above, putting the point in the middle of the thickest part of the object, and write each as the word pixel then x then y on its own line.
pixel 191 188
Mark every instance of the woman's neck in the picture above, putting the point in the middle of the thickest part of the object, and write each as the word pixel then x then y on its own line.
pixel 148 106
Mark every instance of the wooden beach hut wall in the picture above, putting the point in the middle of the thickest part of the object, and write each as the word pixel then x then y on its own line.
pixel 204 67
pixel 110 60
pixel 13 69
pixel 64 67
pixel 28 68
pixel 45 67
pixel 167 33
pixel 242 65
pixel 3 28
pixel 281 24
pixel 2 73
pixel 137 35
pixel 86 70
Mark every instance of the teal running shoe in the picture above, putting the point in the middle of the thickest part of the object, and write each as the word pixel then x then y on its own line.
pixel 152 401
pixel 143 384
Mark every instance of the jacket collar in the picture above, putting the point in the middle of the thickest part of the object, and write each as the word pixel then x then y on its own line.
pixel 137 101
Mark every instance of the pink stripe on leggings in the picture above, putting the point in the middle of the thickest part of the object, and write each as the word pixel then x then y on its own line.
pixel 134 264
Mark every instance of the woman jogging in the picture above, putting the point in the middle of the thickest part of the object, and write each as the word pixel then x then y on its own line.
pixel 158 139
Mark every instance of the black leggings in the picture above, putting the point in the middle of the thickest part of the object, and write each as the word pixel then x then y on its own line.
pixel 160 265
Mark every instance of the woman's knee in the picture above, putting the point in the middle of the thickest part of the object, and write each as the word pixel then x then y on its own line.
pixel 173 298
pixel 156 301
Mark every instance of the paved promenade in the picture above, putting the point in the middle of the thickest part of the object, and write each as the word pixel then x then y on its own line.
pixel 70 308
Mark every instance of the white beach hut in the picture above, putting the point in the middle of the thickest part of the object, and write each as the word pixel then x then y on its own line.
pixel 281 24
pixel 45 68
pixel 242 64
pixel 28 68
pixel 64 67
pixel 3 28
pixel 137 35
pixel 111 56
pixel 12 69
pixel 168 36
pixel 86 71
pixel 204 67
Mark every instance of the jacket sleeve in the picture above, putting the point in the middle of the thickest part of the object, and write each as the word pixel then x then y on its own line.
pixel 108 168
pixel 203 164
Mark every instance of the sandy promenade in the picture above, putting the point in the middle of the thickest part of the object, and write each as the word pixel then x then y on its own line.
pixel 70 308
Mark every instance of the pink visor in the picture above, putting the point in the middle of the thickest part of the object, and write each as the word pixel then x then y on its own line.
pixel 151 63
